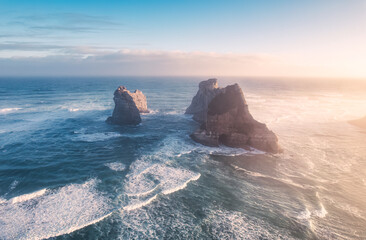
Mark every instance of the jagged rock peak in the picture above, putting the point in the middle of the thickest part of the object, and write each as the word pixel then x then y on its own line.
pixel 207 90
pixel 209 84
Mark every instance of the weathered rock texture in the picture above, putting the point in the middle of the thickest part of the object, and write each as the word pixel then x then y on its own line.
pixel 359 122
pixel 128 106
pixel 206 92
pixel 228 121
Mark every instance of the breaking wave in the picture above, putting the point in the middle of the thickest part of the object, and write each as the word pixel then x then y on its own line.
pixel 147 181
pixel 27 197
pixel 226 151
pixel 81 135
pixel 96 137
pixel 49 213
pixel 235 225
pixel 8 110
pixel 116 166
pixel 286 181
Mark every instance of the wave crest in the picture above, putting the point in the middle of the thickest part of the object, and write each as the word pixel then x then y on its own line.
pixel 50 213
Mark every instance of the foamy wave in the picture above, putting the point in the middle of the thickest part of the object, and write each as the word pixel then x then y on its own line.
pixel 96 137
pixel 52 213
pixel 322 212
pixel 306 217
pixel 226 151
pixel 8 110
pixel 116 166
pixel 306 214
pixel 176 147
pixel 254 174
pixel 13 185
pixel 139 204
pixel 150 176
pixel 27 197
pixel 84 107
pixel 149 223
pixel 174 112
pixel 151 112
pixel 81 135
pixel 286 181
pixel 235 225
pixel 181 186
pixel 146 182
pixel 152 222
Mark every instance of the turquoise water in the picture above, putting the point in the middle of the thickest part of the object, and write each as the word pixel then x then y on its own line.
pixel 65 173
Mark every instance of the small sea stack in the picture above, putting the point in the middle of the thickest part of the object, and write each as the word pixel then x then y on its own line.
pixel 225 119
pixel 128 107
pixel 359 122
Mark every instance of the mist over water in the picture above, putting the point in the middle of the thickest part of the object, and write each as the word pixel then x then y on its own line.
pixel 65 173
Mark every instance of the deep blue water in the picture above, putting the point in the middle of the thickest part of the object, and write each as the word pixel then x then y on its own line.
pixel 65 173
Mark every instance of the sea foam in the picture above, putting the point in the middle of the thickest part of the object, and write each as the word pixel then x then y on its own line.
pixel 226 224
pixel 8 110
pixel 226 151
pixel 147 181
pixel 96 137
pixel 27 197
pixel 116 166
pixel 49 213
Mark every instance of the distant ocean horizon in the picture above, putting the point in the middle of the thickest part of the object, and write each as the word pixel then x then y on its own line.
pixel 67 174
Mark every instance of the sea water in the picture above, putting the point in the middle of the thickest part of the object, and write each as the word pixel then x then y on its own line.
pixel 66 174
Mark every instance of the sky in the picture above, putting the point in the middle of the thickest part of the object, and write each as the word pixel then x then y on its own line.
pixel 212 38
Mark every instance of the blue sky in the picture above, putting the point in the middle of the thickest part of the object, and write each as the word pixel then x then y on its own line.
pixel 262 38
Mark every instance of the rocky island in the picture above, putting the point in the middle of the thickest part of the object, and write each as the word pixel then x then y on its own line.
pixel 128 107
pixel 359 122
pixel 225 119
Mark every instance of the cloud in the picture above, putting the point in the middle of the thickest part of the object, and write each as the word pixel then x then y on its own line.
pixel 91 61
pixel 23 48
pixel 136 62
pixel 63 22
pixel 28 46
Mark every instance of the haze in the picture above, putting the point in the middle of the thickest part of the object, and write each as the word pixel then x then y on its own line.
pixel 183 38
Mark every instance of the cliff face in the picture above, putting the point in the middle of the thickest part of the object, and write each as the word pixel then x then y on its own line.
pixel 128 106
pixel 140 101
pixel 206 92
pixel 228 121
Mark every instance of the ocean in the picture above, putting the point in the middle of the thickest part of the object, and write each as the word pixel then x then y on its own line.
pixel 66 174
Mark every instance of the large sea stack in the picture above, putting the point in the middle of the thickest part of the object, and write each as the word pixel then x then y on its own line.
pixel 128 107
pixel 225 119
pixel 359 122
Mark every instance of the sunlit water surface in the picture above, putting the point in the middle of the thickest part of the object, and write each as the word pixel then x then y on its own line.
pixel 65 173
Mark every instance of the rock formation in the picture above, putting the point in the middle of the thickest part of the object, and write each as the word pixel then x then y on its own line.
pixel 206 92
pixel 140 101
pixel 128 107
pixel 359 122
pixel 225 119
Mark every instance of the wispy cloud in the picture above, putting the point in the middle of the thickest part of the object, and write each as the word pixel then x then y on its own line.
pixel 28 46
pixel 71 27
pixel 71 22
pixel 92 61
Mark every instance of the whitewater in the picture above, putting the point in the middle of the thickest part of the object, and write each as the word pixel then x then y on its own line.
pixel 66 174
